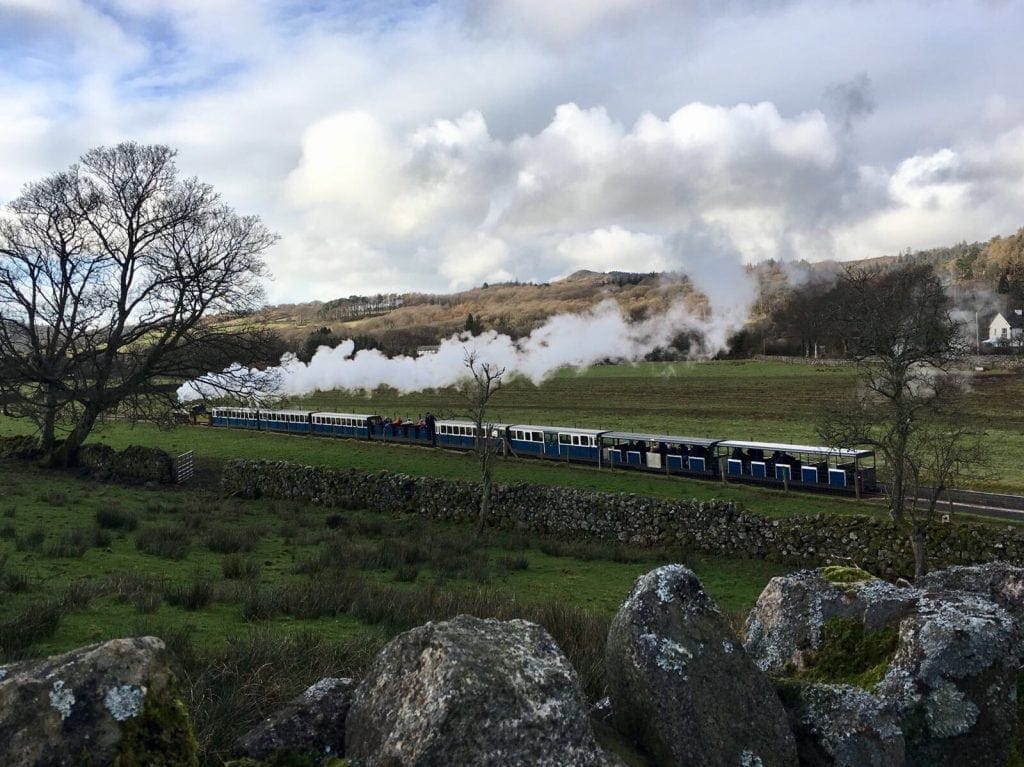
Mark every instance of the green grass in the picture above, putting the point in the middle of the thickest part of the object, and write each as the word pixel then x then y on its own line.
pixel 267 596
pixel 749 399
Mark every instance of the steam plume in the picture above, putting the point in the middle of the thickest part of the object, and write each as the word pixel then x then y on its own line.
pixel 566 340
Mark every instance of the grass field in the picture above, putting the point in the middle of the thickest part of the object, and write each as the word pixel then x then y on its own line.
pixel 757 400
pixel 259 599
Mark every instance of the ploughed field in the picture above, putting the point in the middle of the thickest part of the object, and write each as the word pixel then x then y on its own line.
pixel 258 599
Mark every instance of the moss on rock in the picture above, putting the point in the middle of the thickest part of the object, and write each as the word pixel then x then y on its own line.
pixel 160 735
pixel 849 654
pixel 845 575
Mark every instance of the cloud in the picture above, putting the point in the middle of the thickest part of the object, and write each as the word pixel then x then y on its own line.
pixel 398 144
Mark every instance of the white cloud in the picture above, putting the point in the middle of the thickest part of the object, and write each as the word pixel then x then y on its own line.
pixel 614 249
pixel 399 145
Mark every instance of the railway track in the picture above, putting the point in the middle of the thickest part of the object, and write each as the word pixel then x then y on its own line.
pixel 997 505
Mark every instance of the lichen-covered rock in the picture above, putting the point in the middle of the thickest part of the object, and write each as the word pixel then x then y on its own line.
pixel 313 724
pixel 682 687
pixel 111 703
pixel 953 681
pixel 787 620
pixel 843 726
pixel 1000 581
pixel 470 692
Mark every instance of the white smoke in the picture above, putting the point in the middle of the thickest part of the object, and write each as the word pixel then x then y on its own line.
pixel 566 340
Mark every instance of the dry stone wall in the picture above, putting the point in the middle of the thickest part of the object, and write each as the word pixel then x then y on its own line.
pixel 710 526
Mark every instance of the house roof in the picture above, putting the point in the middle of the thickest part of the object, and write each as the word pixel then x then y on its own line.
pixel 1012 317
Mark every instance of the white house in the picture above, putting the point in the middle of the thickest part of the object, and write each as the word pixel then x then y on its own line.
pixel 1006 328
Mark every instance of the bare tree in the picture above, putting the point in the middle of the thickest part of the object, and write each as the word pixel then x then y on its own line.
pixel 109 274
pixel 898 325
pixel 484 380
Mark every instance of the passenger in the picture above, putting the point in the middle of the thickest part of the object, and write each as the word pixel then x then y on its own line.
pixel 756 454
pixel 663 452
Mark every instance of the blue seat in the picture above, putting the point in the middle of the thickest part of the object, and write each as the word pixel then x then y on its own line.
pixel 837 478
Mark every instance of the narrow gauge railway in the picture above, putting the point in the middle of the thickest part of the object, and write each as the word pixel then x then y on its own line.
pixel 803 467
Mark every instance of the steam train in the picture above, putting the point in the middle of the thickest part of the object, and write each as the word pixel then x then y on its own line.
pixel 806 467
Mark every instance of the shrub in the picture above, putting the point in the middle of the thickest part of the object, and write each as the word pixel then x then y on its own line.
pixel 11 512
pixel 191 596
pixel 510 563
pixel 228 540
pixel 407 573
pixel 8 532
pixel 235 567
pixel 31 540
pixel 13 582
pixel 147 601
pixel 168 541
pixel 115 518
pixel 71 543
pixel 26 627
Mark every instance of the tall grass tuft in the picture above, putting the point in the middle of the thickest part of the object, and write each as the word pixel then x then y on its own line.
pixel 168 541
pixel 115 518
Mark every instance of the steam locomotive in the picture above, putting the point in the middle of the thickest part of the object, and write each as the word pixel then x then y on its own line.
pixel 806 467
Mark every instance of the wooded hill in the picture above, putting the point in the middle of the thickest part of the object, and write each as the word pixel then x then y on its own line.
pixel 983 278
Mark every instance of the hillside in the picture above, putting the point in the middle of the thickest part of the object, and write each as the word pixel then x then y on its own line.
pixel 984 277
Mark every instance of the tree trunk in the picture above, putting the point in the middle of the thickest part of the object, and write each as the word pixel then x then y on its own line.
pixel 485 491
pixel 919 545
pixel 64 455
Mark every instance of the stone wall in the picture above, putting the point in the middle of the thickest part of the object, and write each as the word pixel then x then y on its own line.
pixel 711 526
pixel 133 464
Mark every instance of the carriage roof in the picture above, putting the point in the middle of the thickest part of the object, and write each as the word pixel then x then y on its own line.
pixel 782 447
pixel 633 436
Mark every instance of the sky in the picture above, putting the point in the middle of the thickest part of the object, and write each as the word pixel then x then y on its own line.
pixel 401 145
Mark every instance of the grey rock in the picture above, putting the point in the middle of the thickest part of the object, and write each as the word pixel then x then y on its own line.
pixel 953 681
pixel 843 726
pixel 786 622
pixel 88 706
pixel 312 723
pixel 470 692
pixel 950 688
pixel 1000 581
pixel 682 687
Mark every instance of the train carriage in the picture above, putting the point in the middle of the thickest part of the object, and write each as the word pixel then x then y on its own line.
pixel 555 442
pixel 659 452
pixel 810 466
pixel 235 417
pixel 356 425
pixel 461 435
pixel 291 421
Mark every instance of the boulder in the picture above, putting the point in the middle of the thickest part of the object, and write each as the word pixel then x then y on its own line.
pixel 787 621
pixel 1000 581
pixel 843 726
pixel 474 692
pixel 313 724
pixel 941 666
pixel 682 687
pixel 953 680
pixel 110 703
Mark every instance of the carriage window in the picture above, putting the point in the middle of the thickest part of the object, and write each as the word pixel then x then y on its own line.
pixel 537 437
pixel 575 439
pixel 563 439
